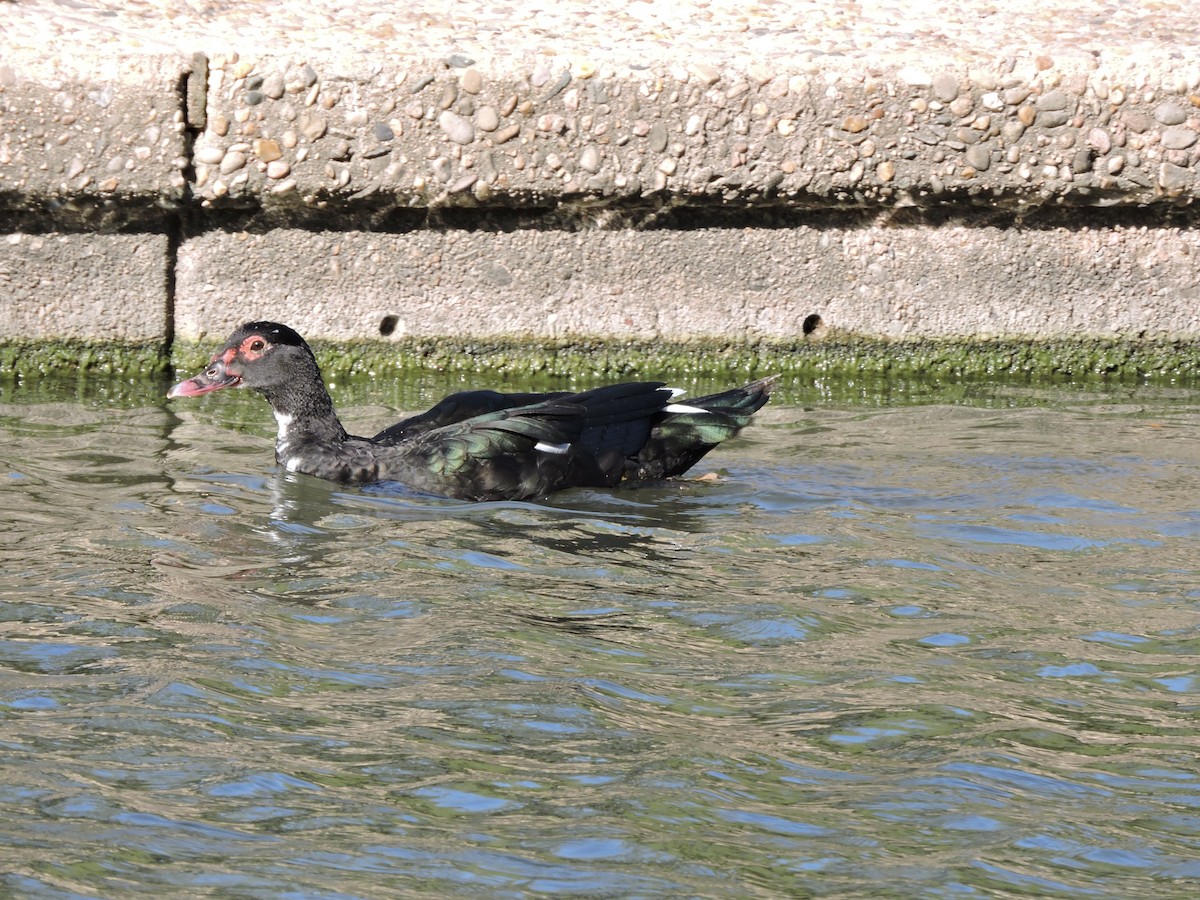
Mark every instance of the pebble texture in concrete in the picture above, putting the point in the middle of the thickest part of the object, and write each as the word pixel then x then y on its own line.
pixel 952 281
pixel 444 133
pixel 93 155
pixel 261 136
pixel 84 287
pixel 95 141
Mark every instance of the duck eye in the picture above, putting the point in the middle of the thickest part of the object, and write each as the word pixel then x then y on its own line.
pixel 256 345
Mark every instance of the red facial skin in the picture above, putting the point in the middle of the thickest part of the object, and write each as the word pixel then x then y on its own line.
pixel 223 370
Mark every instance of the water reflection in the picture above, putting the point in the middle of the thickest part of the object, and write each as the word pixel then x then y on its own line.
pixel 950 648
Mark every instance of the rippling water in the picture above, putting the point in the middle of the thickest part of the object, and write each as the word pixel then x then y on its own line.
pixel 943 649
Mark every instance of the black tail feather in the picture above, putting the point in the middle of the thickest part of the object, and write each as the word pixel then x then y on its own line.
pixel 679 440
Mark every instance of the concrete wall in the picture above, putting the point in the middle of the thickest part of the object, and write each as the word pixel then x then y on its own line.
pixel 173 196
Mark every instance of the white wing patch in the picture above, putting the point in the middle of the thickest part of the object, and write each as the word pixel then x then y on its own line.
pixel 681 407
pixel 551 448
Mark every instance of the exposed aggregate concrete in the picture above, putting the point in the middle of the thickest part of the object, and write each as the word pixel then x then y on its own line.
pixel 894 283
pixel 98 134
pixel 437 134
pixel 75 286
pixel 343 166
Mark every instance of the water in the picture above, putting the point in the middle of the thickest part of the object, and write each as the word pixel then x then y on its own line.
pixel 944 649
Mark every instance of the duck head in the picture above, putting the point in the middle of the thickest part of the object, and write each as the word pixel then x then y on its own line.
pixel 265 356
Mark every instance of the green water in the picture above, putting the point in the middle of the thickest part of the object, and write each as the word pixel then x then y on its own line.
pixel 913 640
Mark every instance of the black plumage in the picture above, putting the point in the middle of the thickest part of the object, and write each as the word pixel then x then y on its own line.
pixel 479 445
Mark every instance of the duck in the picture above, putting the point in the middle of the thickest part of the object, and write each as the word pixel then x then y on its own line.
pixel 479 445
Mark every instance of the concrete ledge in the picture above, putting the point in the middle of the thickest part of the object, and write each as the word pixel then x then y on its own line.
pixel 732 284
pixel 92 144
pixel 93 155
pixel 85 287
pixel 791 173
pixel 537 135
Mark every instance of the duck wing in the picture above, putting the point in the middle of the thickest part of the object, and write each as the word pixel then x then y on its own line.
pixel 525 452
pixel 459 407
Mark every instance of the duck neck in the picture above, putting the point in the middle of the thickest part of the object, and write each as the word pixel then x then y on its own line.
pixel 304 410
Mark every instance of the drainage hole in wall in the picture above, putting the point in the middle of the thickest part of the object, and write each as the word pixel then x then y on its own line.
pixel 388 324
pixel 811 323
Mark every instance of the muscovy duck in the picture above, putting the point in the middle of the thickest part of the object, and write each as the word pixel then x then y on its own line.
pixel 478 445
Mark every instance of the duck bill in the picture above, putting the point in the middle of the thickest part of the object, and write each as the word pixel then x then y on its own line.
pixel 215 377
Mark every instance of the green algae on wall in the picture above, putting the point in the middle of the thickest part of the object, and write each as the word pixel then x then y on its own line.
pixel 34 359
pixel 1170 361
pixel 1076 359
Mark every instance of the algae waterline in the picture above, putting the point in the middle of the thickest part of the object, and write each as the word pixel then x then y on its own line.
pixel 34 359
pixel 1158 360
